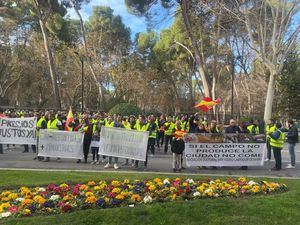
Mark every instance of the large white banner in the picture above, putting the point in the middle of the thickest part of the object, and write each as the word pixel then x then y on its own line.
pixel 123 143
pixel 224 154
pixel 62 144
pixel 18 130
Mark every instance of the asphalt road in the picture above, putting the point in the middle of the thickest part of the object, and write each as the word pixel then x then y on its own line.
pixel 13 158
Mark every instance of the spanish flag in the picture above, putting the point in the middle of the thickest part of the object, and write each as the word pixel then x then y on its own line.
pixel 179 133
pixel 207 104
pixel 70 119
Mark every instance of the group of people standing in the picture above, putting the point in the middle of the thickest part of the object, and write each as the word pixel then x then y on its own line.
pixel 163 132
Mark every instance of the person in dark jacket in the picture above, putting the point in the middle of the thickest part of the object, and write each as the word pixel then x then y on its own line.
pixel 292 139
pixel 177 149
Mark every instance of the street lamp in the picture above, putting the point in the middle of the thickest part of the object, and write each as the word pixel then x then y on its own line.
pixel 81 58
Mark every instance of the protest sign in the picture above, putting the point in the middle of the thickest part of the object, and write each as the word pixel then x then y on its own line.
pixel 224 154
pixel 18 130
pixel 123 143
pixel 218 149
pixel 62 144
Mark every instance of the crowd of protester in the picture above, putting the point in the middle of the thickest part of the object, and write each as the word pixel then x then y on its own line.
pixel 162 133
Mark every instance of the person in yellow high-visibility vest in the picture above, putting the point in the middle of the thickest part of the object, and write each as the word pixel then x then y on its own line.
pixel 270 128
pixel 169 127
pixel 141 125
pixel 41 124
pixel 277 141
pixel 53 124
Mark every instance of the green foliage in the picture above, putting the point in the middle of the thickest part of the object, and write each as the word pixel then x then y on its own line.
pixel 289 89
pixel 125 109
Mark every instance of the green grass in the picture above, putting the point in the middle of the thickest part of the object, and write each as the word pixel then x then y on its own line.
pixel 273 209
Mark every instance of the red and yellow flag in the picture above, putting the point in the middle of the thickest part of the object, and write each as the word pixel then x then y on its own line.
pixel 207 104
pixel 179 133
pixel 70 119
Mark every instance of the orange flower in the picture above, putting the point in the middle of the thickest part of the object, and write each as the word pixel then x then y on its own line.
pixel 91 199
pixel 27 202
pixel 91 183
pixel 136 198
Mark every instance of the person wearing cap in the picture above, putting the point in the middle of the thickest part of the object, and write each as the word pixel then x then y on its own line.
pixel 277 142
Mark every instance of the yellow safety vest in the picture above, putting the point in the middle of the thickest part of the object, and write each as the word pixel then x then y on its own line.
pixel 171 127
pixel 250 129
pixel 270 130
pixel 52 124
pixel 279 142
pixel 139 127
pixel 109 124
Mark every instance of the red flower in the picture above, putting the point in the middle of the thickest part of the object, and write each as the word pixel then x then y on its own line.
pixel 66 208
pixel 187 189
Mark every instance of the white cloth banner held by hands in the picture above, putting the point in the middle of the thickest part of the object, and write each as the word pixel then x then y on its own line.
pixel 18 130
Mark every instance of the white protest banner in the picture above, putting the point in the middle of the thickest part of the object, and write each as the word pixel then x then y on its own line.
pixel 224 154
pixel 62 144
pixel 18 130
pixel 123 143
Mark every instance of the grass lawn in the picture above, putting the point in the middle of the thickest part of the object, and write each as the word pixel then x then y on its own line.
pixel 280 208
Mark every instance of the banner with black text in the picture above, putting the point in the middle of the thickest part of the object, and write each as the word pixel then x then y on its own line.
pixel 123 143
pixel 18 130
pixel 62 144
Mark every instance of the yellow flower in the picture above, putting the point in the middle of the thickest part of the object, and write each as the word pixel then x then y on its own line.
pixel 63 186
pixel 126 181
pixel 106 199
pixel 83 187
pixel 67 198
pixel 201 188
pixel 39 199
pixel 160 184
pixel 157 180
pixel 172 189
pixel 91 199
pixel 116 190
pixel 184 184
pixel 102 186
pixel 246 187
pixel 97 188
pixel 24 190
pixel 1 209
pixel 232 192
pixel 5 193
pixel 27 202
pixel 120 197
pixel 174 196
pixel 152 187
pixel 125 193
pixel 116 183
pixel 242 179
pixel 218 181
pixel 136 198
pixel 91 183
pixel 177 179
pixel 13 196
pixel 5 205
pixel 89 194
pixel 26 212
pixel 5 199
pixel 130 187
pixel 255 189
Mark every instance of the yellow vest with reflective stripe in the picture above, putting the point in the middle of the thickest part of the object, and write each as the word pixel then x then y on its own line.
pixel 169 130
pixel 52 124
pixel 279 142
pixel 109 124
pixel 270 130
pixel 250 129
pixel 39 122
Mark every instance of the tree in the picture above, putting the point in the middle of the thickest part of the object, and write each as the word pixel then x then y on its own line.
pixel 272 34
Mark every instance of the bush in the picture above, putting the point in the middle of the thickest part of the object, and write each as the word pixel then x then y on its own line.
pixel 125 109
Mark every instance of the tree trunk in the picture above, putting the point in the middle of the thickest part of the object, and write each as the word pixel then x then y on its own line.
pixel 100 88
pixel 270 97
pixel 49 55
pixel 198 58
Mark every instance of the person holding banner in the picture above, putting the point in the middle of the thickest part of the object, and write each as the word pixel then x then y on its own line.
pixel 111 123
pixel 87 128
pixel 53 124
pixel 41 124
pixel 141 125
pixel 270 128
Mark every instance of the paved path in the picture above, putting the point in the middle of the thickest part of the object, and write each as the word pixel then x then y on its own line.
pixel 15 159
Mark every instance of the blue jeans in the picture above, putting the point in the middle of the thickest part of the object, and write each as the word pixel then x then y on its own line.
pixel 292 153
pixel 1 149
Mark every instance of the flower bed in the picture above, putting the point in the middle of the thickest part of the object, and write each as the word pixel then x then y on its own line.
pixel 63 198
